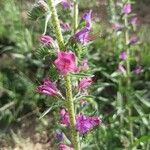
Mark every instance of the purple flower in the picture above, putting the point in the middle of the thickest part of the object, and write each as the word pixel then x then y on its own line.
pixel 59 135
pixel 117 26
pixel 85 83
pixel 127 8
pixel 83 36
pixel 46 39
pixel 84 65
pixel 123 55
pixel 121 69
pixel 64 117
pixel 133 40
pixel 65 26
pixel 66 4
pixel 66 62
pixel 134 21
pixel 48 88
pixel 138 70
pixel 86 123
pixel 65 147
pixel 88 19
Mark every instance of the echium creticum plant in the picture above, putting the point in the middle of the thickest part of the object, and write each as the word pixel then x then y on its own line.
pixel 125 26
pixel 72 68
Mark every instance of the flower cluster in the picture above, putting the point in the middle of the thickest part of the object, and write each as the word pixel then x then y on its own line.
pixel 66 63
pixel 127 9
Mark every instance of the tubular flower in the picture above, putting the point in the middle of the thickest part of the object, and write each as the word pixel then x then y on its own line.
pixel 127 8
pixel 65 26
pixel 48 88
pixel 83 34
pixel 121 69
pixel 84 65
pixel 117 26
pixel 86 123
pixel 64 117
pixel 138 70
pixel 65 147
pixel 85 83
pixel 66 62
pixel 123 55
pixel 59 135
pixel 133 40
pixel 134 21
pixel 88 19
pixel 46 39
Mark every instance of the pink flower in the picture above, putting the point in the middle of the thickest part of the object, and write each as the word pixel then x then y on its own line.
pixel 84 65
pixel 133 40
pixel 85 83
pixel 86 123
pixel 117 26
pixel 65 26
pixel 46 39
pixel 138 70
pixel 127 8
pixel 48 88
pixel 123 55
pixel 65 147
pixel 66 62
pixel 64 117
pixel 134 21
pixel 121 69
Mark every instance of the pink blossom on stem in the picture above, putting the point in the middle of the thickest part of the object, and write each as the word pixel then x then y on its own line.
pixel 66 62
pixel 138 70
pixel 65 147
pixel 133 40
pixel 85 83
pixel 121 69
pixel 117 26
pixel 86 123
pixel 127 8
pixel 134 21
pixel 64 117
pixel 65 26
pixel 123 55
pixel 66 4
pixel 48 88
pixel 84 65
pixel 46 39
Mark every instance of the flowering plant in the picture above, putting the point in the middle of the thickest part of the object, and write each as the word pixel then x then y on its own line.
pixel 69 64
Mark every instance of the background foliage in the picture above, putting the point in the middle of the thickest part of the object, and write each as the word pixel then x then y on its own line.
pixel 24 63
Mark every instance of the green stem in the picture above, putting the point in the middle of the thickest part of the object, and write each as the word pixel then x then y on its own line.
pixel 68 85
pixel 128 76
pixel 75 18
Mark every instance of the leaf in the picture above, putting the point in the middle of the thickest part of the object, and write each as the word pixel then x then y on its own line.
pixel 143 139
pixel 51 108
pixel 146 103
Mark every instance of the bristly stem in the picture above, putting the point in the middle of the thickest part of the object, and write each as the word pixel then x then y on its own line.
pixel 67 79
pixel 75 16
pixel 128 75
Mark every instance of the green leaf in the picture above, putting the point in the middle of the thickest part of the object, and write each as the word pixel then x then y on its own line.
pixel 146 103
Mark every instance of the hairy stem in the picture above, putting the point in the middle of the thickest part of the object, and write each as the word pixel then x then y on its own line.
pixel 68 85
pixel 75 16
pixel 128 75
